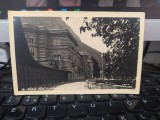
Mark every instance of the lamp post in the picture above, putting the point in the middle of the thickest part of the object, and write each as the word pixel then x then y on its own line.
pixel 102 66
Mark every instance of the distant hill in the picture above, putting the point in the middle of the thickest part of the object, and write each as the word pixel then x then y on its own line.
pixel 58 23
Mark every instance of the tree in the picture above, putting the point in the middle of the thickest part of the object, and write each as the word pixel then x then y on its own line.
pixel 121 36
pixel 96 69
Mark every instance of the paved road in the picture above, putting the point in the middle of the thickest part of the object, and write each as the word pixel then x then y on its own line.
pixel 72 86
pixel 82 86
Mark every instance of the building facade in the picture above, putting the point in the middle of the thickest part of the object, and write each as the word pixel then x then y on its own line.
pixel 58 49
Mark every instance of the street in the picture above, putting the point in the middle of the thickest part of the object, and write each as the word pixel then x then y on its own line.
pixel 72 86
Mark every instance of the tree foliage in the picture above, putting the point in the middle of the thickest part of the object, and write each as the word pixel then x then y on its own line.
pixel 121 36
pixel 96 69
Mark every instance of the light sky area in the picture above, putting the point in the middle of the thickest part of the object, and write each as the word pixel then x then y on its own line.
pixel 95 42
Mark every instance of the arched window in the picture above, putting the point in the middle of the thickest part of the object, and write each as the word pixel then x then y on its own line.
pixel 31 40
pixel 32 51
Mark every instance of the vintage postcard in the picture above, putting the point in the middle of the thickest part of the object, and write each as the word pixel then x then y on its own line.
pixel 76 52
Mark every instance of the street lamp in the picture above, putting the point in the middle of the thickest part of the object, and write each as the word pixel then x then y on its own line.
pixel 102 55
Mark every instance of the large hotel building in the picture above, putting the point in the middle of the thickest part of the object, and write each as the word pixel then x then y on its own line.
pixel 58 49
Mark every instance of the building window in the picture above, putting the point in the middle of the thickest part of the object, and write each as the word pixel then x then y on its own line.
pixel 72 48
pixel 75 69
pixel 69 56
pixel 32 51
pixel 31 40
pixel 50 56
pixel 56 43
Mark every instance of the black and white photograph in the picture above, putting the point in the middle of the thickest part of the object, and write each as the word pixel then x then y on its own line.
pixel 76 52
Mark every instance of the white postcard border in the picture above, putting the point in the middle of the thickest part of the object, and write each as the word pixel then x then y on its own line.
pixel 12 14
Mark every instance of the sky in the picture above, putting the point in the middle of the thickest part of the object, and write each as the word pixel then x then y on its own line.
pixel 95 42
